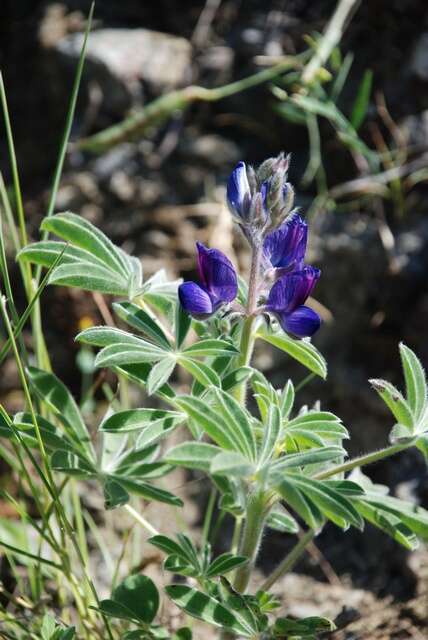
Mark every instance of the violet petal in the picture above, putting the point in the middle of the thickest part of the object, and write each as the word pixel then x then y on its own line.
pixel 302 323
pixel 194 299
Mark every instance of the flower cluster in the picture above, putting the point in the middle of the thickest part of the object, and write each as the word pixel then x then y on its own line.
pixel 262 204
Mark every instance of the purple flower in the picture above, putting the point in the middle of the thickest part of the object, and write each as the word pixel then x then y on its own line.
pixel 238 192
pixel 286 300
pixel 218 284
pixel 284 248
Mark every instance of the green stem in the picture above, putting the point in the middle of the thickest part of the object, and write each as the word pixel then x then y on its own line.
pixel 253 531
pixel 289 561
pixel 162 108
pixel 139 518
pixel 208 515
pixel 362 461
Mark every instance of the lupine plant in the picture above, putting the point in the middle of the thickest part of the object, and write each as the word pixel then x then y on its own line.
pixel 272 464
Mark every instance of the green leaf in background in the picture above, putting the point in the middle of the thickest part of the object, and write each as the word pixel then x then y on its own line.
pixel 114 494
pixel 206 608
pixel 359 110
pixel 55 395
pixel 72 464
pixel 306 628
pixel 50 435
pixel 141 320
pixel 148 491
pixel 301 350
pixel 138 593
pixel 135 599
pixel 192 455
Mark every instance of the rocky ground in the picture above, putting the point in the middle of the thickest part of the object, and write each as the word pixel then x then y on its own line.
pixel 157 196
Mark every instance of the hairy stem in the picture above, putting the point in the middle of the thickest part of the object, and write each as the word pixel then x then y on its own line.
pixel 362 461
pixel 289 561
pixel 250 543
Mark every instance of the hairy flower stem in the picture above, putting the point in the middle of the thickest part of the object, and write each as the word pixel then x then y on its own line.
pixel 253 531
pixel 247 335
pixel 254 278
pixel 289 561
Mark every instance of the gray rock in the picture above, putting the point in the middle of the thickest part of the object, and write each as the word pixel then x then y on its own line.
pixel 415 128
pixel 419 61
pixel 134 55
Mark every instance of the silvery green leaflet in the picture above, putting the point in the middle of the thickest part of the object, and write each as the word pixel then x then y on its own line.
pixel 280 466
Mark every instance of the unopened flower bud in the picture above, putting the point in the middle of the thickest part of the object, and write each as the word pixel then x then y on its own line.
pixel 265 170
pixel 258 213
pixel 252 180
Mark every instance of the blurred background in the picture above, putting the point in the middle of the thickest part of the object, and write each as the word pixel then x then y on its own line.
pixel 358 135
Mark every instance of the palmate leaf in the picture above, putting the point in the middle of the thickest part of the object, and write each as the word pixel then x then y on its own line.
pixel 231 463
pixel 313 429
pixel 416 386
pixel 192 455
pixel 210 347
pixel 160 374
pixel 280 520
pixel 139 373
pixel 304 458
pixel 301 350
pixel 225 563
pixel 121 347
pixel 210 421
pixel 139 319
pixel 203 373
pixel 238 424
pixel 206 608
pixel 91 261
pixel 312 499
pixel 152 425
pixel 411 411
pixel 395 402
pixel 81 233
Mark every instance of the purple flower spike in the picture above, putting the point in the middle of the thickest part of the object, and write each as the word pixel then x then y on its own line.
pixel 286 300
pixel 238 192
pixel 285 247
pixel 219 284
